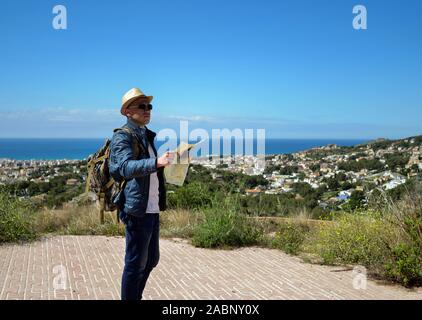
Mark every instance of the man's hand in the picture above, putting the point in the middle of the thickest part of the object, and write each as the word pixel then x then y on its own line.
pixel 165 159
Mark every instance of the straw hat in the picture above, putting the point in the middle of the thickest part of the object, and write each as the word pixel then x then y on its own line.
pixel 131 96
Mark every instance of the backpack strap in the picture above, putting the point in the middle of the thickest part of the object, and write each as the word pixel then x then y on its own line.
pixel 137 146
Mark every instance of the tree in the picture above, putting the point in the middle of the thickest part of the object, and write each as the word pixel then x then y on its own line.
pixel 369 164
pixel 254 181
pixel 332 183
pixel 270 168
pixel 396 160
pixel 356 200
pixel 415 168
pixel 315 167
pixel 303 188
pixel 193 195
pixel 288 170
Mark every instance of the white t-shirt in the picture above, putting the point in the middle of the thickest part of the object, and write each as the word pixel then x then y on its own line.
pixel 153 198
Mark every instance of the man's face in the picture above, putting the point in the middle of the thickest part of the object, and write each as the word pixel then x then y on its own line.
pixel 139 115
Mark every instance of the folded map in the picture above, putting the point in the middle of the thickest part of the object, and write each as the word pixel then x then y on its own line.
pixel 176 172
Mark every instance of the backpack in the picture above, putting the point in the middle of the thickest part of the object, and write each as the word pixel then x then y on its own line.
pixel 107 189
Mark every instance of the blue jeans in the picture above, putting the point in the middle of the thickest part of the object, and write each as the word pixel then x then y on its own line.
pixel 142 252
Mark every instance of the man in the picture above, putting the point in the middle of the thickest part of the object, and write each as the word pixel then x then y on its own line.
pixel 144 193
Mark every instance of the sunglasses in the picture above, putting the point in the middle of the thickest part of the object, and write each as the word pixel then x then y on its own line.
pixel 142 106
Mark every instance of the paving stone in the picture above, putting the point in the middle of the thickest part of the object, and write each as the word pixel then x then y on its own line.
pixel 90 267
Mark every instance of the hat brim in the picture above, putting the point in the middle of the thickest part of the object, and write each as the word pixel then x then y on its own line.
pixel 134 99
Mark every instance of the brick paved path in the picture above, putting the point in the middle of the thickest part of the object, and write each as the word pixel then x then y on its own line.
pixel 88 267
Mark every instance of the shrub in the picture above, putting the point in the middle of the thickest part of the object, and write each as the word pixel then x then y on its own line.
pixel 352 238
pixel 319 213
pixel 15 219
pixel 405 264
pixel 223 225
pixel 290 237
pixel 356 200
pixel 194 195
pixel 374 241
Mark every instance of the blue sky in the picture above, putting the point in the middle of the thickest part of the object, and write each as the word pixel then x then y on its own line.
pixel 295 68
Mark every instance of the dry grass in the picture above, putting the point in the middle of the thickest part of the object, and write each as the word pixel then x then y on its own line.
pixel 406 215
pixel 85 220
pixel 78 220
pixel 300 217
pixel 179 223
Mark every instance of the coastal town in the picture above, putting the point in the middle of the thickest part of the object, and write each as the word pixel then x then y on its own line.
pixel 382 164
pixel 37 171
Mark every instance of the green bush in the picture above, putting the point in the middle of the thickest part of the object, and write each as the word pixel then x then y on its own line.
pixel 373 240
pixel 352 238
pixel 405 265
pixel 194 195
pixel 290 237
pixel 223 225
pixel 15 219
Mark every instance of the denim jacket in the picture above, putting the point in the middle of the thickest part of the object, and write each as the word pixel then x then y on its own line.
pixel 134 197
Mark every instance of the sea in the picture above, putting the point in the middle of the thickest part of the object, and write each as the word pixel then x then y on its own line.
pixel 79 149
